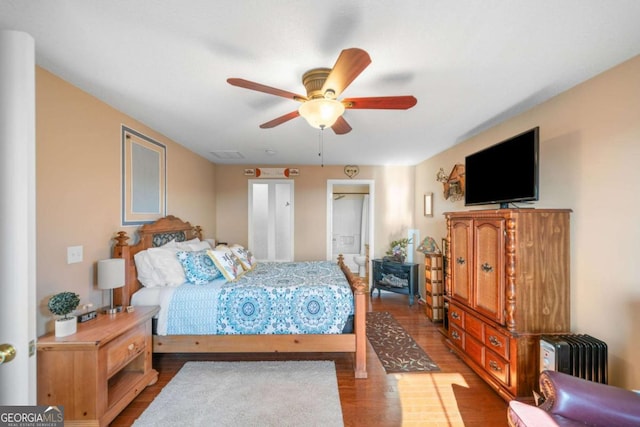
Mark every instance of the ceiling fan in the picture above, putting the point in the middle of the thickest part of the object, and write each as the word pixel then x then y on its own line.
pixel 320 107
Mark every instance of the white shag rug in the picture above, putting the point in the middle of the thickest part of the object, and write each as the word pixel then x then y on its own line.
pixel 287 393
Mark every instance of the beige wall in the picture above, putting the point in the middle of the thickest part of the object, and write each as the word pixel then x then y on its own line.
pixel 78 187
pixel 590 143
pixel 394 205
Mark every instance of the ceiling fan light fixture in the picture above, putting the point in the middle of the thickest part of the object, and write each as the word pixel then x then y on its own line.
pixel 321 113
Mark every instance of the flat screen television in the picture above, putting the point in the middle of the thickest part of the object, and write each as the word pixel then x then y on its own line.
pixel 504 173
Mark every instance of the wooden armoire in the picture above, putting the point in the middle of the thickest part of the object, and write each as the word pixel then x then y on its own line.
pixel 507 283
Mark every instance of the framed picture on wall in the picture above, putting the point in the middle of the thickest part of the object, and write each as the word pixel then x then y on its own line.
pixel 428 204
pixel 144 178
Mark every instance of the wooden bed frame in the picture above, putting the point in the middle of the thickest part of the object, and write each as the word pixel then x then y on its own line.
pixel 170 227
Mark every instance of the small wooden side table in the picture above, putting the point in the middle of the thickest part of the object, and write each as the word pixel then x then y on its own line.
pixel 96 372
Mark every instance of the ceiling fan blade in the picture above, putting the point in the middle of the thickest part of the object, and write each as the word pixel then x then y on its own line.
pixel 381 102
pixel 349 65
pixel 266 89
pixel 280 120
pixel 340 127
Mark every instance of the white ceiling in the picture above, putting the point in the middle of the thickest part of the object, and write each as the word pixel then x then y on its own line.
pixel 470 63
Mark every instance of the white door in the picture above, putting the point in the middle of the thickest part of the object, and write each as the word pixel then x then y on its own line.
pixel 17 219
pixel 271 219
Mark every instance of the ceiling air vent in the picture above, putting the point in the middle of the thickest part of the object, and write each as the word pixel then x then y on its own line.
pixel 227 154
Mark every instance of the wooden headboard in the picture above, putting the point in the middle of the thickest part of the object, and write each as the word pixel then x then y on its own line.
pixel 150 235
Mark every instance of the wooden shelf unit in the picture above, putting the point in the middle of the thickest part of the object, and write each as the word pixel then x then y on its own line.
pixel 96 372
pixel 434 287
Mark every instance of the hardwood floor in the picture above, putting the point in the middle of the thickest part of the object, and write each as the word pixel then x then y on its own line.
pixel 455 396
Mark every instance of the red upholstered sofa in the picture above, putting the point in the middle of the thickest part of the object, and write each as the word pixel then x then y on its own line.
pixel 572 401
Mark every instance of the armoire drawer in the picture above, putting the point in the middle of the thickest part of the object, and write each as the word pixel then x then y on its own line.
pixel 457 336
pixel 496 342
pixel 496 366
pixel 474 327
pixel 456 316
pixel 474 349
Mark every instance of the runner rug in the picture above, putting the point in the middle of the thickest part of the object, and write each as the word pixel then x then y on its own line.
pixel 395 348
pixel 291 393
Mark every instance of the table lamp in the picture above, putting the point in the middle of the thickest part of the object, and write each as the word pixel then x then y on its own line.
pixel 111 276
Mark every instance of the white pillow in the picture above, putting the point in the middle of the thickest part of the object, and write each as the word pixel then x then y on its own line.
pixel 166 263
pixel 147 274
pixel 183 246
pixel 197 246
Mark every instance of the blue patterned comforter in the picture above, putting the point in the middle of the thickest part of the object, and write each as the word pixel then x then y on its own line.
pixel 311 297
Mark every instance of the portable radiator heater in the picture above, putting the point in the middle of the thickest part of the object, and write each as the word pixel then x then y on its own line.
pixel 579 355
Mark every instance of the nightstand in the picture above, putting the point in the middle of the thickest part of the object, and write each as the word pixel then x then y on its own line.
pixel 401 278
pixel 96 372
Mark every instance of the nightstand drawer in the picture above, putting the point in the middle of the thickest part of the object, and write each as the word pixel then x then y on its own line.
pixel 125 348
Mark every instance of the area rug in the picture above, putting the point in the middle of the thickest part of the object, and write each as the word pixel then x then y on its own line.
pixel 397 351
pixel 290 393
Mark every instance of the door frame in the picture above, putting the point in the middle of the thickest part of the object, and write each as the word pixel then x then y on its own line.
pixel 372 198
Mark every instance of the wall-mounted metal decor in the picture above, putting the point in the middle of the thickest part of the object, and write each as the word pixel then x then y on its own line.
pixel 453 183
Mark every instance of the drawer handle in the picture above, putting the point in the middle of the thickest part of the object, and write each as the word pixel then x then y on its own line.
pixel 486 267
pixel 131 346
pixel 455 335
pixel 460 260
pixel 494 341
pixel 494 365
pixel 455 315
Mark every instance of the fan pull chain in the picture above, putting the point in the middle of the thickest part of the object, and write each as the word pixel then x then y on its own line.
pixel 321 146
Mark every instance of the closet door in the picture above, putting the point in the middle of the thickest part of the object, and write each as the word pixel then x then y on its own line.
pixel 271 219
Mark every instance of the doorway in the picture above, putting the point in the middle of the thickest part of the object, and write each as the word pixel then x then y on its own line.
pixel 350 220
pixel 271 219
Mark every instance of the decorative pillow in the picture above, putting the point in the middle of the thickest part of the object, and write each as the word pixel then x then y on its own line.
pixel 166 263
pixel 198 266
pixel 227 263
pixel 147 274
pixel 246 258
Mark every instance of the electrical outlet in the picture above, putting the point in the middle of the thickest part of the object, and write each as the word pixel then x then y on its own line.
pixel 74 254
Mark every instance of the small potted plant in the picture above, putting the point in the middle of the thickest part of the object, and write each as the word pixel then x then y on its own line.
pixel 398 250
pixel 63 304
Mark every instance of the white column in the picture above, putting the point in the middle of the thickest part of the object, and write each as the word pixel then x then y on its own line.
pixel 17 216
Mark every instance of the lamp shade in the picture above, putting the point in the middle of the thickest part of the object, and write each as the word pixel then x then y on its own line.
pixel 111 273
pixel 321 113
